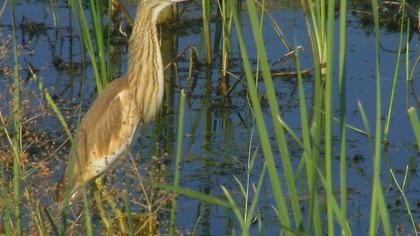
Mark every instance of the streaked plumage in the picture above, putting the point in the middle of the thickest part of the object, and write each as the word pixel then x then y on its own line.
pixel 107 129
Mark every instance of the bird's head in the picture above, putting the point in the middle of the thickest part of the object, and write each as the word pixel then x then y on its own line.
pixel 156 6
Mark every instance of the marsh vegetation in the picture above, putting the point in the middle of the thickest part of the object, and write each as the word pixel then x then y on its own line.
pixel 279 117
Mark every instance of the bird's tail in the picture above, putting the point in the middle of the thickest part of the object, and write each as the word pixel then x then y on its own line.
pixel 71 179
pixel 60 191
pixel 66 187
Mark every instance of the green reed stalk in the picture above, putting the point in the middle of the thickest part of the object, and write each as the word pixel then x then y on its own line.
pixel 316 41
pixel 88 221
pixel 7 220
pixel 365 121
pixel 257 67
pixel 410 74
pixel 306 145
pixel 281 205
pixel 412 114
pixel 342 105
pixel 206 30
pixel 316 125
pixel 404 196
pixel 52 105
pixel 329 106
pixel 16 127
pixel 179 144
pixel 60 117
pixel 248 218
pixel 378 205
pixel 55 13
pixel 317 12
pixel 49 219
pixel 108 59
pixel 77 8
pixel 72 155
pixel 106 221
pixel 128 213
pixel 66 200
pixel 236 210
pixel 30 207
pixel 407 62
pixel 345 230
pixel 189 193
pixel 321 31
pixel 113 205
pixel 394 81
pixel 321 17
pixel 245 216
pixel 275 112
pixel 96 11
pixel 250 164
pixel 227 12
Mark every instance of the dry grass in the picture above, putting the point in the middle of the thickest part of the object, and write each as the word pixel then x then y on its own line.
pixel 44 151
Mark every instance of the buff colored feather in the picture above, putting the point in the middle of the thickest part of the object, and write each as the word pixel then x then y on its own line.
pixel 107 129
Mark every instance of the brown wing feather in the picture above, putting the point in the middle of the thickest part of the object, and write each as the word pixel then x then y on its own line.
pixel 104 127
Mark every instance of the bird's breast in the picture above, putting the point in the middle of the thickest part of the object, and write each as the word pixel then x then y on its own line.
pixel 99 165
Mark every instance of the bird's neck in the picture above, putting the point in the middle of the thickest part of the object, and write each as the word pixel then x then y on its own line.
pixel 145 68
pixel 143 46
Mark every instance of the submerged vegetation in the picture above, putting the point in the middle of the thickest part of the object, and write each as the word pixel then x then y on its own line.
pixel 294 177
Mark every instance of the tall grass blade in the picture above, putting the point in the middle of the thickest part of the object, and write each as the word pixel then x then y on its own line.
pixel 88 221
pixel 248 221
pixel 55 14
pixel 96 11
pixel 84 32
pixel 407 62
pixel 404 196
pixel 335 207
pixel 306 146
pixel 50 100
pixel 106 221
pixel 274 110
pixel 206 30
pixel 329 106
pixel 108 31
pixel 365 120
pixel 342 105
pixel 316 40
pixel 99 182
pixel 252 156
pixel 378 205
pixel 227 12
pixel 128 213
pixel 394 80
pixel 189 193
pixel 281 205
pixel 180 142
pixel 7 221
pixel 16 128
pixel 51 220
pixel 412 114
pixel 236 209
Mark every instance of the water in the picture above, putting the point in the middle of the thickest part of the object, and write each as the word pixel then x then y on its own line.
pixel 218 129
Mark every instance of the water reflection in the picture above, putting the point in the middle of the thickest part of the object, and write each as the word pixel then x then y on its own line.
pixel 218 120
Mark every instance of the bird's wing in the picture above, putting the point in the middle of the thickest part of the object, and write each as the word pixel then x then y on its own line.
pixel 103 133
pixel 107 124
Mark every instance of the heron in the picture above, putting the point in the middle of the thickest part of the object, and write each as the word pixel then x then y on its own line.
pixel 106 131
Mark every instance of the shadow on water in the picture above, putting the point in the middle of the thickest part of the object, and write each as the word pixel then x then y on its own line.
pixel 218 120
